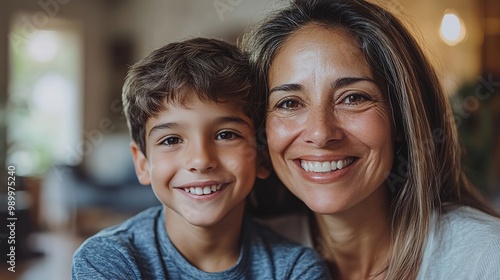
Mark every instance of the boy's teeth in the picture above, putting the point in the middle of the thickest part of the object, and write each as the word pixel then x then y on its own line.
pixel 203 190
pixel 325 166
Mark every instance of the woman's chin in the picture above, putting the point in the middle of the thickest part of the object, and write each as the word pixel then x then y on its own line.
pixel 324 205
pixel 325 209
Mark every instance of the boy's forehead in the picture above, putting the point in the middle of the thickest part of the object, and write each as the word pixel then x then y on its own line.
pixel 194 100
pixel 195 109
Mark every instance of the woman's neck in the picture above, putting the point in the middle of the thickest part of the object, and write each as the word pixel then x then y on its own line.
pixel 356 243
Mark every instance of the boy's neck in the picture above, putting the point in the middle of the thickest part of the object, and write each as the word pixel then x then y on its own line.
pixel 211 249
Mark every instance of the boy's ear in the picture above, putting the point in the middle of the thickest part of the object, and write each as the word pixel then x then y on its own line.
pixel 264 167
pixel 141 164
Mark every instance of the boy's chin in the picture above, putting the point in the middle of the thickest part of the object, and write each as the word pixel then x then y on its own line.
pixel 205 220
pixel 205 223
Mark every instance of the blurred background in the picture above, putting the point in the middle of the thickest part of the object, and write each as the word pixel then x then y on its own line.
pixel 62 65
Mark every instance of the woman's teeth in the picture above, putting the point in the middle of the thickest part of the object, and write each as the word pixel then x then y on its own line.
pixel 203 190
pixel 325 166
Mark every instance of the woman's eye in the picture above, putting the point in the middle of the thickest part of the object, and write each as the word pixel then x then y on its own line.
pixel 226 135
pixel 355 98
pixel 288 104
pixel 171 141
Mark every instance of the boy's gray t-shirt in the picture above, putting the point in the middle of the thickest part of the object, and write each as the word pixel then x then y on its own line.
pixel 139 248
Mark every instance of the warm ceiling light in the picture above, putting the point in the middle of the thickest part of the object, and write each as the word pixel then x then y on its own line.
pixel 452 29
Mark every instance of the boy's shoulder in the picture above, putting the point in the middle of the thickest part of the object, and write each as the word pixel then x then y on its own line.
pixel 137 227
pixel 269 252
pixel 264 236
pixel 119 250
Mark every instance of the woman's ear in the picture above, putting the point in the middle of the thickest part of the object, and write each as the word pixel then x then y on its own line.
pixel 141 164
pixel 264 166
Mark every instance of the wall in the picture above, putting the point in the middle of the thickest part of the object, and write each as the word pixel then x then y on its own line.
pixel 154 23
pixel 454 64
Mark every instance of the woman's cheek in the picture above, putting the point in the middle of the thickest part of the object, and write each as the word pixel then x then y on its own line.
pixel 279 132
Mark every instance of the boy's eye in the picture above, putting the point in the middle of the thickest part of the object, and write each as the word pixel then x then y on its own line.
pixel 288 103
pixel 226 135
pixel 172 141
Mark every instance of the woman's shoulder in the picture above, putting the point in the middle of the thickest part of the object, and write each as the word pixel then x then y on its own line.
pixel 468 220
pixel 463 243
pixel 466 228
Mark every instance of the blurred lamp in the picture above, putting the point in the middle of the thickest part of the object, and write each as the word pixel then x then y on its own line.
pixel 452 29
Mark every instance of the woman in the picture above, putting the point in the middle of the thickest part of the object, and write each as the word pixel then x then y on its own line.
pixel 359 129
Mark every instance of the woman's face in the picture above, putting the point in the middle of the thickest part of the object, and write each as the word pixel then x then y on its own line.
pixel 328 123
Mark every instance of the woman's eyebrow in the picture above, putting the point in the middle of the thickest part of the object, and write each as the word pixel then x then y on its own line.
pixel 287 87
pixel 346 81
pixel 341 82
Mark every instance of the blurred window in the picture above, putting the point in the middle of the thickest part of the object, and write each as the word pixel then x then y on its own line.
pixel 44 94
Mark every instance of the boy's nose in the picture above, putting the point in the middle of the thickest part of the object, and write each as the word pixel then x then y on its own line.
pixel 200 157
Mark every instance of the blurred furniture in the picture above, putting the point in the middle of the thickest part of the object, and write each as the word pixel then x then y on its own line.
pixel 104 184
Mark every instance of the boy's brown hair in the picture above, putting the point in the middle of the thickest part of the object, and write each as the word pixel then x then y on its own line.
pixel 215 70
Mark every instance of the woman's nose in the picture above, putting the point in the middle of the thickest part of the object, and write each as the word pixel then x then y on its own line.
pixel 201 157
pixel 322 127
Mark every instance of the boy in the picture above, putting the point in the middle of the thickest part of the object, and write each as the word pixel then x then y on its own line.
pixel 193 118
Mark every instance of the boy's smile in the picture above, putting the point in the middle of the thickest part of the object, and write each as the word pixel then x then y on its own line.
pixel 203 189
pixel 201 160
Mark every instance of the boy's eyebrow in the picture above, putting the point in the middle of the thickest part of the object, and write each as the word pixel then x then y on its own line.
pixel 236 120
pixel 217 121
pixel 341 82
pixel 161 126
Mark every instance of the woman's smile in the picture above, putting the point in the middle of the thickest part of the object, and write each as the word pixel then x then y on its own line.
pixel 326 166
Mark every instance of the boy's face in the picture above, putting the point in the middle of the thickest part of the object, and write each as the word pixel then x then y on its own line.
pixel 201 160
